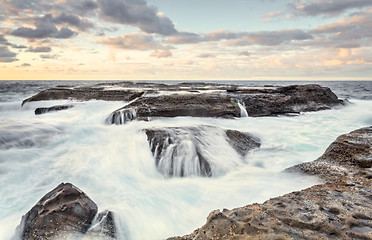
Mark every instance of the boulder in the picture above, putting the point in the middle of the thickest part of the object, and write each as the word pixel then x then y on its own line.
pixel 64 211
pixel 341 208
pixel 184 151
pixel 43 110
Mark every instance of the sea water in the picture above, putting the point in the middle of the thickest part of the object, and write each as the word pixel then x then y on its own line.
pixel 114 166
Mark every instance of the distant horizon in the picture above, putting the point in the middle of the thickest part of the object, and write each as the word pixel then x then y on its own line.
pixel 281 40
pixel 189 80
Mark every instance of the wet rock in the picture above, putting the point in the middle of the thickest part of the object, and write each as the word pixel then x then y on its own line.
pixel 242 142
pixel 221 101
pixel 39 111
pixel 103 225
pixel 339 209
pixel 289 100
pixel 175 105
pixel 84 94
pixel 348 154
pixel 64 211
pixel 184 151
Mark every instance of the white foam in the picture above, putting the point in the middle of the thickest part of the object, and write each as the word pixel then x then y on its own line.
pixel 113 164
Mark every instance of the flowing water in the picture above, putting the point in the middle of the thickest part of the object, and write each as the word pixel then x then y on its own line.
pixel 114 166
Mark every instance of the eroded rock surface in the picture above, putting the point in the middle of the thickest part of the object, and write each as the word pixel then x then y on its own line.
pixel 96 92
pixel 339 209
pixel 349 154
pixel 151 100
pixel 184 151
pixel 221 101
pixel 64 211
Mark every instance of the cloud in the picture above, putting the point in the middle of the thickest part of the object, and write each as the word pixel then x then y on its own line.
pixel 161 54
pixel 136 13
pixel 263 38
pixel 25 65
pixel 351 32
pixel 273 38
pixel 326 7
pixel 49 56
pixel 3 41
pixel 72 20
pixel 45 28
pixel 244 53
pixel 185 38
pixel 207 55
pixel 39 49
pixel 6 55
pixel 82 7
pixel 132 41
pixel 268 17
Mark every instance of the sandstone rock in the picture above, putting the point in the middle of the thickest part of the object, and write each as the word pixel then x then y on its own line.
pixel 182 151
pixel 39 111
pixel 65 210
pixel 339 209
pixel 348 154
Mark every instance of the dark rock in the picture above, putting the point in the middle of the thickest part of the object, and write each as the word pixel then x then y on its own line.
pixel 193 105
pixel 339 209
pixel 64 210
pixel 39 111
pixel 103 225
pixel 242 142
pixel 291 99
pixel 222 102
pixel 180 151
pixel 198 99
pixel 84 94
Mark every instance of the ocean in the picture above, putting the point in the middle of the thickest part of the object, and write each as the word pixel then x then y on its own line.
pixel 114 166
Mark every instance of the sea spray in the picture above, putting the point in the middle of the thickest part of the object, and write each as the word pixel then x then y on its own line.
pixel 243 110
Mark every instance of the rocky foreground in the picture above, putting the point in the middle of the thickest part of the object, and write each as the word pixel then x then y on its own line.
pixel 341 208
pixel 67 213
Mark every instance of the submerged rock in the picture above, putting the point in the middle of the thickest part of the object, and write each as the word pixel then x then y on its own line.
pixel 64 211
pixel 185 151
pixel 339 209
pixel 39 111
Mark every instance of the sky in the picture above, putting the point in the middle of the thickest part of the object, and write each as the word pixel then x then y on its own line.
pixel 186 40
